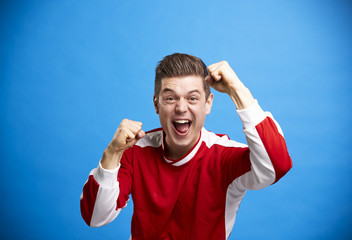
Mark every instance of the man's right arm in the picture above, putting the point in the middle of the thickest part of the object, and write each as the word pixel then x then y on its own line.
pixel 100 192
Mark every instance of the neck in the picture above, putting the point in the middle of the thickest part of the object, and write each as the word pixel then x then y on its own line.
pixel 173 152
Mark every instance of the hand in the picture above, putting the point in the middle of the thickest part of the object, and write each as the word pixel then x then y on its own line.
pixel 126 135
pixel 223 79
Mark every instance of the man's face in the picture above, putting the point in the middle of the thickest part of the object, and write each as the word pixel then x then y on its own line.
pixel 182 108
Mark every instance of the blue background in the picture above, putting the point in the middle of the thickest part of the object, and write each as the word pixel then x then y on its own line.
pixel 72 70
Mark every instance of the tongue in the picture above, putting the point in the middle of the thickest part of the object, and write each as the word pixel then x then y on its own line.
pixel 182 127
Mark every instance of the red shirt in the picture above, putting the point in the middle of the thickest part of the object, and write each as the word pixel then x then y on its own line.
pixel 195 197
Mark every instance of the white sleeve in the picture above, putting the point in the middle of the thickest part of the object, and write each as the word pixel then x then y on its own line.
pixel 99 197
pixel 268 153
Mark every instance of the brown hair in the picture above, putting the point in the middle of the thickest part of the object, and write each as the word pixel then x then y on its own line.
pixel 178 65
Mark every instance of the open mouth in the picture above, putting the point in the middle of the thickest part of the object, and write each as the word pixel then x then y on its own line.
pixel 182 126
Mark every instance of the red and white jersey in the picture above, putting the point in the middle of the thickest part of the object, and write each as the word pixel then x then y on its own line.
pixel 196 196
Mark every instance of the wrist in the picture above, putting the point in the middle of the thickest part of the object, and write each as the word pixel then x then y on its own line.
pixel 236 86
pixel 111 158
pixel 113 150
pixel 241 96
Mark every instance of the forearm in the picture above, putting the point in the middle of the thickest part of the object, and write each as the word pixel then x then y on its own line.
pixel 241 96
pixel 111 159
pixel 268 152
pixel 101 191
pixel 98 199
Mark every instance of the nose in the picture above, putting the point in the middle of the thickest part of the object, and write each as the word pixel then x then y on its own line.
pixel 181 106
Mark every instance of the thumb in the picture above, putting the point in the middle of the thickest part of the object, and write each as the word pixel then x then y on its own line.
pixel 209 80
pixel 140 134
pixel 133 141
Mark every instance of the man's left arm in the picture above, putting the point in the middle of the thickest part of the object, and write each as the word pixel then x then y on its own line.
pixel 268 155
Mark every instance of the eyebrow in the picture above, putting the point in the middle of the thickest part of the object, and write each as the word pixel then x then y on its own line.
pixel 194 91
pixel 170 90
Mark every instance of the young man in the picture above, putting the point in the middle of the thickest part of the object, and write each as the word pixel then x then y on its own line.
pixel 186 182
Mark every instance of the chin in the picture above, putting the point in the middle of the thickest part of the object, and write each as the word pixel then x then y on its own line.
pixel 185 141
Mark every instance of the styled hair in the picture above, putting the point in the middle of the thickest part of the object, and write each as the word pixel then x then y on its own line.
pixel 179 65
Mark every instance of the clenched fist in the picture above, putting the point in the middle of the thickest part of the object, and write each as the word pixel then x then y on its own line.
pixel 126 135
pixel 223 79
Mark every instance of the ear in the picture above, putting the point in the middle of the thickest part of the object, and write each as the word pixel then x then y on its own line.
pixel 155 101
pixel 209 103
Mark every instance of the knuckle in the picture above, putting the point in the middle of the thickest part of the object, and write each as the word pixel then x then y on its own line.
pixel 224 62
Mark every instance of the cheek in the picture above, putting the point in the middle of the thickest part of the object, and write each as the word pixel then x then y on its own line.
pixel 198 110
pixel 166 108
pixel 164 112
pixel 207 109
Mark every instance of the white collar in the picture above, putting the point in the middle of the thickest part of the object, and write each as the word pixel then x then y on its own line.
pixel 188 156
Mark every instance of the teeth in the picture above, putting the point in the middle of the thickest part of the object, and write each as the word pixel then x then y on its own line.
pixel 181 121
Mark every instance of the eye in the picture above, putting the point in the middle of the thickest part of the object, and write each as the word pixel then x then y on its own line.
pixel 170 99
pixel 193 99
